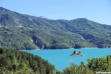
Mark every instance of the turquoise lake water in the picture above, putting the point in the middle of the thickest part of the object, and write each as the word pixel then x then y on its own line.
pixel 61 58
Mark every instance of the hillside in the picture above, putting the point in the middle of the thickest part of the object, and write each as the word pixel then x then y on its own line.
pixel 19 62
pixel 20 31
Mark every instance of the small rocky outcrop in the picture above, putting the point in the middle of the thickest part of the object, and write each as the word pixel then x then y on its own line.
pixel 75 53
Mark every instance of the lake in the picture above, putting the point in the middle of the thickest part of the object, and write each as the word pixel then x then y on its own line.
pixel 61 57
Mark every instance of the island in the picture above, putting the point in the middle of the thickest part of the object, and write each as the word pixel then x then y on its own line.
pixel 75 53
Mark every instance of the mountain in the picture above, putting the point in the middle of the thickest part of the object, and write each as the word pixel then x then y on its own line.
pixel 21 31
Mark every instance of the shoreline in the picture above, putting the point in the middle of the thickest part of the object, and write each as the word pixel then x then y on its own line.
pixel 69 49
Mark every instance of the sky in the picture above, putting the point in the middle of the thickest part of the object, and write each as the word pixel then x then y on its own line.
pixel 96 10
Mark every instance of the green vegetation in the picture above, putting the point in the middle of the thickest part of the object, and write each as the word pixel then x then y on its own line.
pixel 94 65
pixel 19 31
pixel 82 69
pixel 19 62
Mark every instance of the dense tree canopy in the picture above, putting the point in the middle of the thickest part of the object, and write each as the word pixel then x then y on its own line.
pixel 19 62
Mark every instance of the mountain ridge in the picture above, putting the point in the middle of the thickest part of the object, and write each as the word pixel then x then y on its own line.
pixel 30 32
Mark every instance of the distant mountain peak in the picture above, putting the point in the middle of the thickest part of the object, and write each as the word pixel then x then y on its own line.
pixel 85 19
pixel 80 20
pixel 43 17
pixel 3 9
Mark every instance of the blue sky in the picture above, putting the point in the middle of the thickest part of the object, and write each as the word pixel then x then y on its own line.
pixel 96 10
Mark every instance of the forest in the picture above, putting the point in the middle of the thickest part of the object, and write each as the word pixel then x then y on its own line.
pixel 19 62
